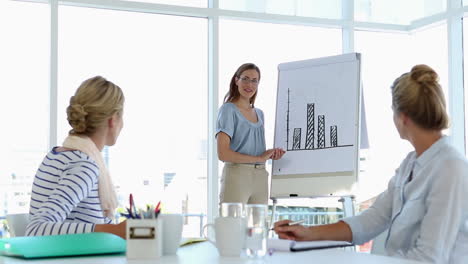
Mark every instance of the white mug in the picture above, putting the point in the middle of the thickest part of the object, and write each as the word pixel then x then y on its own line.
pixel 172 232
pixel 229 234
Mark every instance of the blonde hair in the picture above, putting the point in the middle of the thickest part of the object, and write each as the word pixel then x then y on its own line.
pixel 95 101
pixel 419 95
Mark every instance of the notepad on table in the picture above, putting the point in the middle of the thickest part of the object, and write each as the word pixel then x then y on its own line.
pixel 291 245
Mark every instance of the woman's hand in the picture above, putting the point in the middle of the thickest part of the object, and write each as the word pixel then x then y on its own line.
pixel 294 232
pixel 119 229
pixel 266 155
pixel 339 231
pixel 278 153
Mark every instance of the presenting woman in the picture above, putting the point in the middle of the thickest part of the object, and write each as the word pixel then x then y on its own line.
pixel 240 135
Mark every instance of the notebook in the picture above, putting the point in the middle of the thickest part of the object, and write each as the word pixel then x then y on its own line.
pixel 62 245
pixel 291 245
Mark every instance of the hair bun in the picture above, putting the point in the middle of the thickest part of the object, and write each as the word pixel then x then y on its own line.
pixel 77 117
pixel 423 74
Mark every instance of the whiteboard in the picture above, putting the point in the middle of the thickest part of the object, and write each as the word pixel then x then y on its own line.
pixel 318 124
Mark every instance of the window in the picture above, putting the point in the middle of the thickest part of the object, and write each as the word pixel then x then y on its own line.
pixel 379 70
pixel 306 8
pixel 396 11
pixel 465 79
pixel 191 3
pixel 431 49
pixel 162 71
pixel 24 108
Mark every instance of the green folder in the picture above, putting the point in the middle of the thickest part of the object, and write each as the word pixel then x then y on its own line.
pixel 62 245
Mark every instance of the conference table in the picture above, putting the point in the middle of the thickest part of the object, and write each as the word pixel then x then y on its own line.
pixel 206 253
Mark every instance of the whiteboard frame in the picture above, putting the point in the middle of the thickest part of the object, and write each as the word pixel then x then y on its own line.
pixel 321 184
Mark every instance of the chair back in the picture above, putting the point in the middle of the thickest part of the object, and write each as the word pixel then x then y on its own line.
pixel 17 224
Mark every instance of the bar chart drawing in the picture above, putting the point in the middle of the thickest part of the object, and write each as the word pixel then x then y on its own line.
pixel 310 126
pixel 316 135
pixel 317 123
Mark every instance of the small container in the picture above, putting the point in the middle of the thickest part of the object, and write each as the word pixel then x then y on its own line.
pixel 144 238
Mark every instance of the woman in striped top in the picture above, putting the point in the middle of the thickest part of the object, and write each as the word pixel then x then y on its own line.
pixel 72 191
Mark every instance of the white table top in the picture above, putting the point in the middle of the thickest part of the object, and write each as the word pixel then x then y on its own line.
pixel 207 253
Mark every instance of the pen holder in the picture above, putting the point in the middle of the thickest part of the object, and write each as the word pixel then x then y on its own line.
pixel 144 238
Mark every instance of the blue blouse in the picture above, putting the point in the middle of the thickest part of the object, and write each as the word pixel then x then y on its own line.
pixel 246 137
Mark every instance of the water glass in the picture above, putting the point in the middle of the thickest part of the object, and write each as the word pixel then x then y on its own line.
pixel 232 210
pixel 257 230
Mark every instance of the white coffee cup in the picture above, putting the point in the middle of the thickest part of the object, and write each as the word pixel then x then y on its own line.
pixel 229 235
pixel 172 233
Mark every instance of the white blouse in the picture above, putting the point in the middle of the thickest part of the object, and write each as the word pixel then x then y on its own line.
pixel 427 217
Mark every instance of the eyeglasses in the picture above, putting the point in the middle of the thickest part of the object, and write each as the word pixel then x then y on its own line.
pixel 247 80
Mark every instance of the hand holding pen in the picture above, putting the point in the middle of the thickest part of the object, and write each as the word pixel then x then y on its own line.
pixel 291 223
pixel 288 229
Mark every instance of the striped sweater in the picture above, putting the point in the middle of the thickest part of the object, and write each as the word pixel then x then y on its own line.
pixel 64 198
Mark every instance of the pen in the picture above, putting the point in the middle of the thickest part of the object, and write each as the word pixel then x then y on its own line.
pixel 157 210
pixel 130 201
pixel 293 223
pixel 133 208
pixel 296 222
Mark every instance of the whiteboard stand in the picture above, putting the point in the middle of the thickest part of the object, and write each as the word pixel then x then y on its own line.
pixel 318 123
pixel 348 211
pixel 348 205
pixel 347 202
pixel 273 213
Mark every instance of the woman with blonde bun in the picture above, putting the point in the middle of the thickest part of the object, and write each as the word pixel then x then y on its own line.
pixel 425 208
pixel 72 191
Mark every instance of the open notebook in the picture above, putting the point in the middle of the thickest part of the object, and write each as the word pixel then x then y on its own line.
pixel 290 245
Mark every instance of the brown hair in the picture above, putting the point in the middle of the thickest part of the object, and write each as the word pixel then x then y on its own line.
pixel 233 92
pixel 96 100
pixel 419 95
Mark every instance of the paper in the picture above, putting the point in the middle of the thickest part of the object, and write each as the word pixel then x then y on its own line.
pixel 291 245
pixel 317 115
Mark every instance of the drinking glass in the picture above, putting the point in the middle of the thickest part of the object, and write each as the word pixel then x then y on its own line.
pixel 232 210
pixel 257 230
